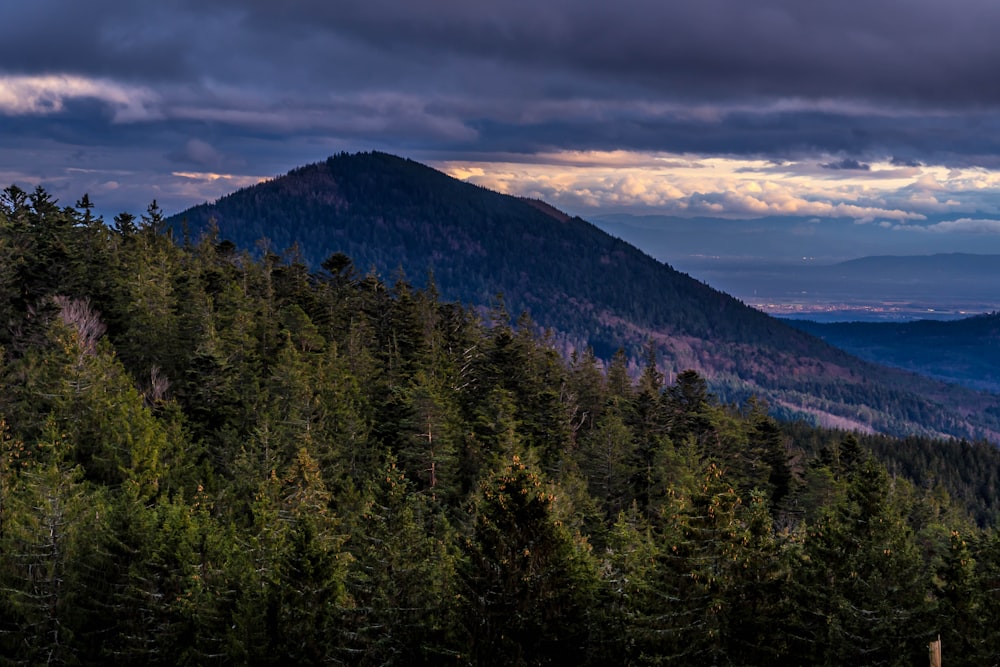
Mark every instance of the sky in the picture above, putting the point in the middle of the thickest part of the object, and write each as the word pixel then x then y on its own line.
pixel 882 114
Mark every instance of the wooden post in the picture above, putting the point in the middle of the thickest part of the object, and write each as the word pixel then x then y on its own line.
pixel 935 652
pixel 433 469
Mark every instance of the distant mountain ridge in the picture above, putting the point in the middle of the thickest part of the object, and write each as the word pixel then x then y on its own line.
pixel 591 289
pixel 945 262
pixel 965 273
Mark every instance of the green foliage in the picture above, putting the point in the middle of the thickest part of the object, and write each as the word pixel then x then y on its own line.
pixel 52 539
pixel 403 578
pixel 207 458
pixel 863 595
pixel 530 585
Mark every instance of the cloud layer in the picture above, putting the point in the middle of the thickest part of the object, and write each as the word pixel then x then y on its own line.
pixel 877 111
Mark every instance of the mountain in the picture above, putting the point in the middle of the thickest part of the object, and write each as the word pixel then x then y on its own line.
pixel 777 238
pixel 965 351
pixel 952 278
pixel 588 287
pixel 206 456
pixel 922 267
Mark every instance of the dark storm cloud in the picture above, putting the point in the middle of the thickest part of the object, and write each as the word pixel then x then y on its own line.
pixel 141 41
pixel 922 51
pixel 847 163
pixel 260 86
pixel 948 140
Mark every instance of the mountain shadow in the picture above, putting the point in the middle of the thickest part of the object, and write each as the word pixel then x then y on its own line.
pixel 965 351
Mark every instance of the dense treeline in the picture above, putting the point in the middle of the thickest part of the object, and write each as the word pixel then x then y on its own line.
pixel 211 459
pixel 967 472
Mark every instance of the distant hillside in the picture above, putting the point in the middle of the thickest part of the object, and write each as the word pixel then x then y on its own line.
pixel 590 288
pixel 924 266
pixel 964 351
pixel 919 277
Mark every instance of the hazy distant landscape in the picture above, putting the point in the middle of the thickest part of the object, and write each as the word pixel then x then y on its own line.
pixel 872 289
pixel 769 266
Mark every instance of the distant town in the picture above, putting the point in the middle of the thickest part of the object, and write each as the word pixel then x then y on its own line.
pixel 889 311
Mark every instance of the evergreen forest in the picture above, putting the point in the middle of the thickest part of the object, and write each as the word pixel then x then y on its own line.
pixel 208 457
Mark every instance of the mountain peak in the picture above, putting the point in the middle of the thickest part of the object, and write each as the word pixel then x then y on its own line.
pixel 589 288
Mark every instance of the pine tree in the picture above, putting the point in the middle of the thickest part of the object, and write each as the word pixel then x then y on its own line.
pixel 860 591
pixel 403 578
pixel 607 458
pixel 530 586
pixel 291 572
pixel 50 540
pixel 963 626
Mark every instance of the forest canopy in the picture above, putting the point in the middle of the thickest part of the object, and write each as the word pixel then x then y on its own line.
pixel 212 458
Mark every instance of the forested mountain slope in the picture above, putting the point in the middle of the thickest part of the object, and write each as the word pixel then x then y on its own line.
pixel 964 351
pixel 588 287
pixel 208 459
